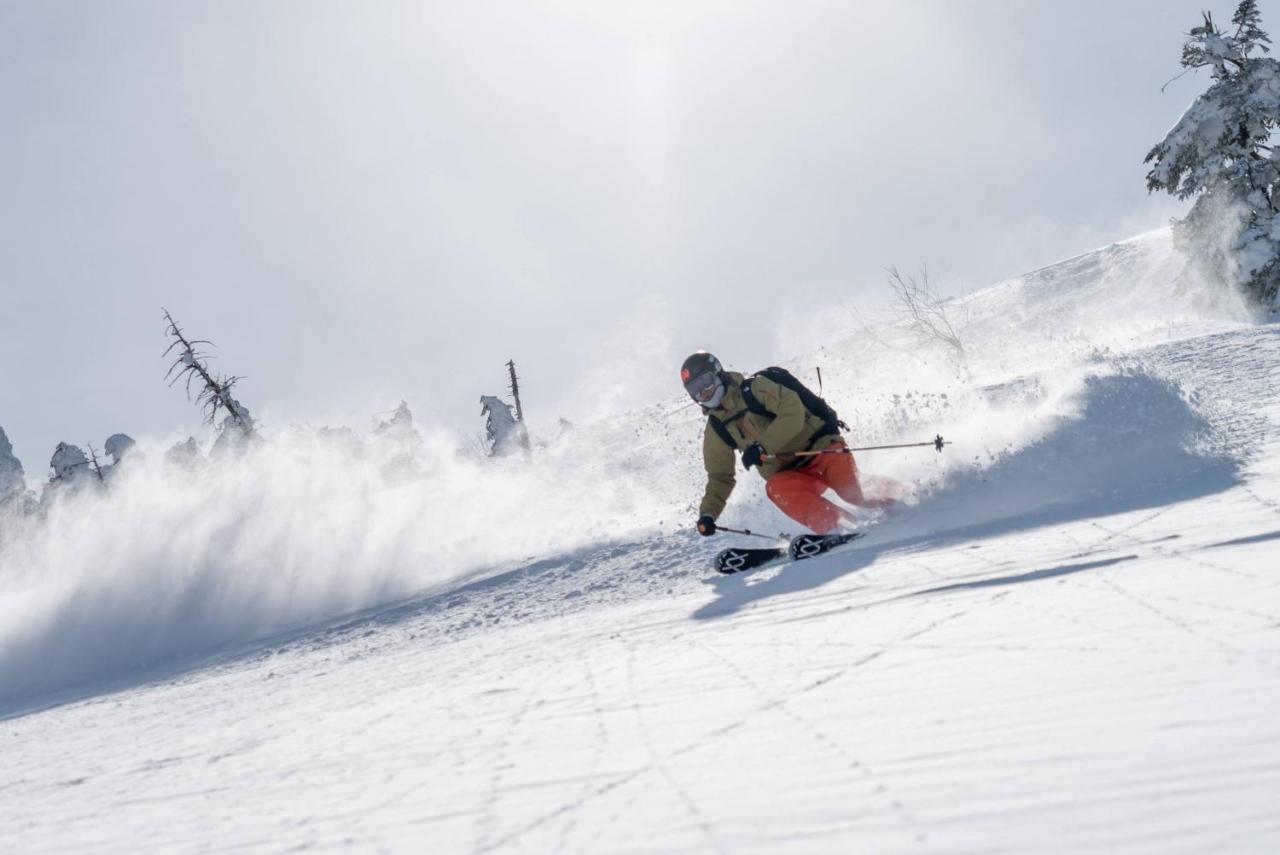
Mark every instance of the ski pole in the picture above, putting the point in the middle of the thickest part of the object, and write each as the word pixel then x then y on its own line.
pixel 937 443
pixel 750 533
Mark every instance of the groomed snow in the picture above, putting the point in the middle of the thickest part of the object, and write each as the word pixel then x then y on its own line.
pixel 1069 643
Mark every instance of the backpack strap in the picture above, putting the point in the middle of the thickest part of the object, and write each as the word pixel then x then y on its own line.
pixel 754 406
pixel 753 403
pixel 722 430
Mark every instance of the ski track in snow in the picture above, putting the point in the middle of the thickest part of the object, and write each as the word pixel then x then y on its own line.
pixel 1099 673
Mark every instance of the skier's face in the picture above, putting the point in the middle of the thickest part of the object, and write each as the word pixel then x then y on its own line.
pixel 702 388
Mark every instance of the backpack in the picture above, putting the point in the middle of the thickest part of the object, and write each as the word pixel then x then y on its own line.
pixel 811 401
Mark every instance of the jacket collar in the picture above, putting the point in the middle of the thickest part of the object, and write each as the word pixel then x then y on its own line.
pixel 733 403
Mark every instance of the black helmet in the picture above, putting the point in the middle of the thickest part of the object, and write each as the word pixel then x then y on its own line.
pixel 700 374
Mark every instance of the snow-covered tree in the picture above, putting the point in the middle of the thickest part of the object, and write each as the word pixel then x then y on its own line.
pixel 184 455
pixel 13 482
pixel 398 432
pixel 500 428
pixel 399 425
pixel 236 432
pixel 1221 152
pixel 118 446
pixel 69 465
pixel 397 441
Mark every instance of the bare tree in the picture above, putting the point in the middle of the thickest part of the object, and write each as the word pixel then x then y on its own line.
pixel 918 309
pixel 924 312
pixel 190 364
pixel 515 394
pixel 95 465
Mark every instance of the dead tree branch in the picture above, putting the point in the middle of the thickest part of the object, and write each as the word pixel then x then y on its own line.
pixel 515 394
pixel 97 467
pixel 190 364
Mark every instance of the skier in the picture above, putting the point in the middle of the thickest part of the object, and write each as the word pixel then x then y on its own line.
pixel 768 421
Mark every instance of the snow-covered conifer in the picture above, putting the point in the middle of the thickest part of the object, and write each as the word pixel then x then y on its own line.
pixel 500 425
pixel 236 432
pixel 1220 152
pixel 13 482
pixel 69 465
pixel 184 455
pixel 400 423
pixel 118 445
pixel 399 431
pixel 398 442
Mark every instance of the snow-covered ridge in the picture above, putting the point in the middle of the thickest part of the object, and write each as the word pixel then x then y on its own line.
pixel 1056 410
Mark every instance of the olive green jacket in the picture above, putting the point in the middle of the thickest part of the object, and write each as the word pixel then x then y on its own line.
pixel 792 429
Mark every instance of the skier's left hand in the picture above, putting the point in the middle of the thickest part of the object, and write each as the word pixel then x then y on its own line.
pixel 753 455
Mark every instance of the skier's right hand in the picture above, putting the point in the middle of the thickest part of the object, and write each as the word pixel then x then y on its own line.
pixel 706 525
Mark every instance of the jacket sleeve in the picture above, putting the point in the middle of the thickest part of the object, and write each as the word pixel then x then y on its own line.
pixel 719 460
pixel 789 424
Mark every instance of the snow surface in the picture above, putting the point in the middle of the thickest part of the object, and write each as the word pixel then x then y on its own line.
pixel 1071 641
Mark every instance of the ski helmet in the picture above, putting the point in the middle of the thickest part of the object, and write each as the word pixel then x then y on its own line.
pixel 701 375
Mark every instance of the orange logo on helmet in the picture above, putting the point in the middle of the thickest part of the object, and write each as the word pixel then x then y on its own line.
pixel 684 375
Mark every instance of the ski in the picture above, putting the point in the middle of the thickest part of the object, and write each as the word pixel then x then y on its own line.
pixel 736 560
pixel 809 545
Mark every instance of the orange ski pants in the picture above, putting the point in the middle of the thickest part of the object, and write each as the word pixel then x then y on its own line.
pixel 798 492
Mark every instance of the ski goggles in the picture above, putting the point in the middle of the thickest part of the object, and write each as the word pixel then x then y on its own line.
pixel 702 387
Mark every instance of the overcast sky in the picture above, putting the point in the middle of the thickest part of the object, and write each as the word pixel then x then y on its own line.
pixel 361 202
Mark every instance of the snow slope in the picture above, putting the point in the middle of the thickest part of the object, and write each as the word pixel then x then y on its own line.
pixel 1071 641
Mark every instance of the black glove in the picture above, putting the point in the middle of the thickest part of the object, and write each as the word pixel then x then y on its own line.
pixel 706 525
pixel 753 454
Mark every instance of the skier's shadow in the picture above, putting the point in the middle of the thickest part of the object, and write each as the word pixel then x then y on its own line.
pixel 737 591
pixel 734 592
pixel 1136 444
